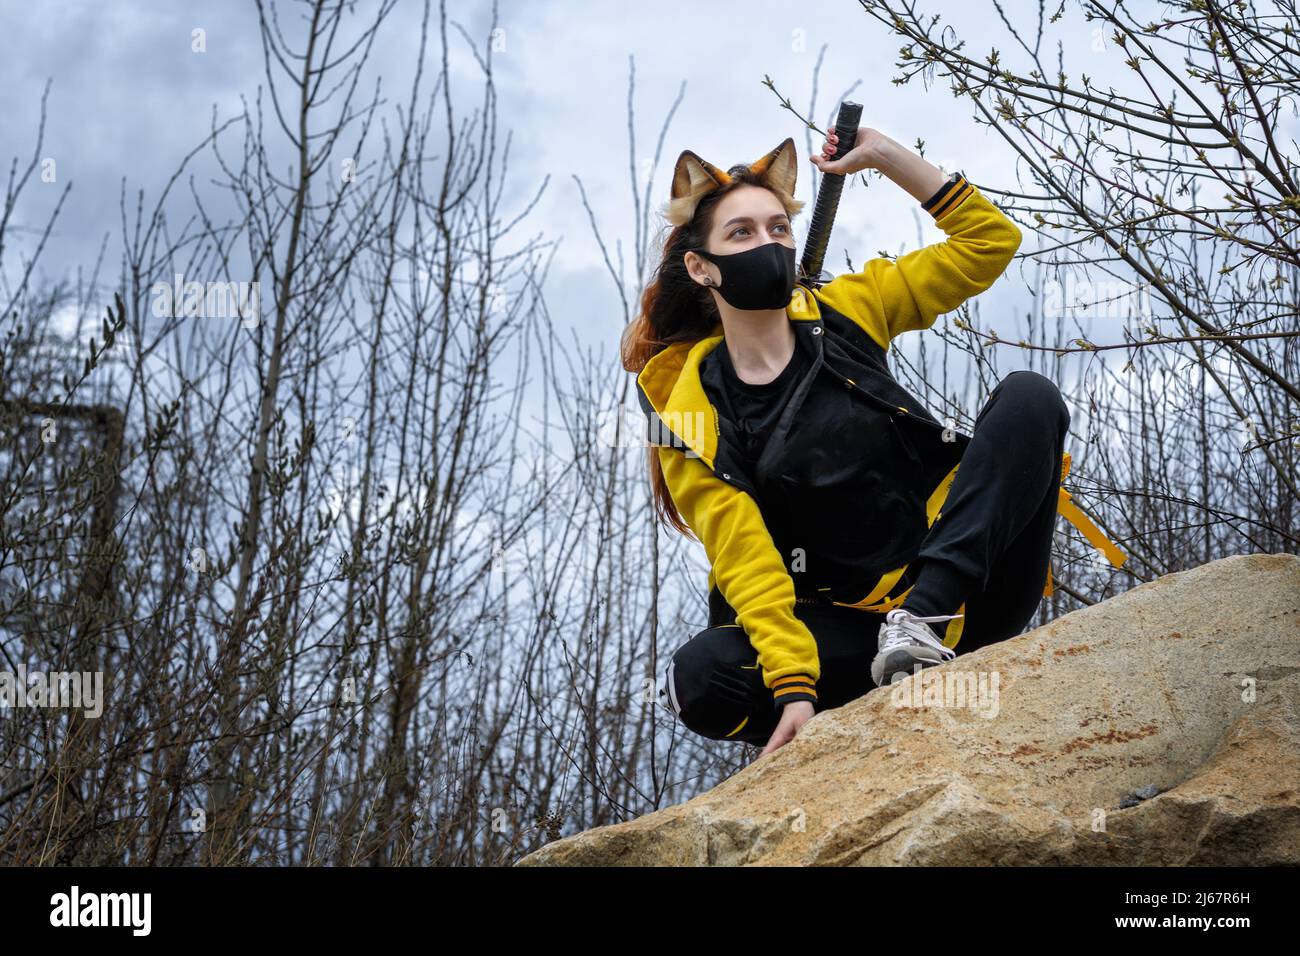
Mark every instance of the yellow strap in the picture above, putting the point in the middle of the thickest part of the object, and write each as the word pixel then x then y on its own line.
pixel 1089 530
pixel 1072 513
pixel 876 600
pixel 953 634
pixel 939 496
pixel 879 591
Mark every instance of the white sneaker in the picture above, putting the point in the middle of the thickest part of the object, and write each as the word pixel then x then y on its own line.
pixel 905 640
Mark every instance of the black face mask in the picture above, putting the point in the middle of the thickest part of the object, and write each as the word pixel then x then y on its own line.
pixel 758 278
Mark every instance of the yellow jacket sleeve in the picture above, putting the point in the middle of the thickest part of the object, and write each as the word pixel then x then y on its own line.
pixel 749 572
pixel 888 297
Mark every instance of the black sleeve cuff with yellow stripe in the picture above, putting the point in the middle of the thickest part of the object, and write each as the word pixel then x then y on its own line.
pixel 793 687
pixel 948 195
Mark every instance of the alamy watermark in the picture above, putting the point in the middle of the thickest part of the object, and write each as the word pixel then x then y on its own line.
pixel 626 426
pixel 207 300
pixel 75 908
pixel 976 690
pixel 1102 299
pixel 75 690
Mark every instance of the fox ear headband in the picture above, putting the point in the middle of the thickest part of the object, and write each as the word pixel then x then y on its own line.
pixel 694 178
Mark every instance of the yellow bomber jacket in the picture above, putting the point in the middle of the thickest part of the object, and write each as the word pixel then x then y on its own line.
pixel 884 299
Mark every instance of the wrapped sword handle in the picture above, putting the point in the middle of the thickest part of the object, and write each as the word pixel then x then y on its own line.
pixel 828 198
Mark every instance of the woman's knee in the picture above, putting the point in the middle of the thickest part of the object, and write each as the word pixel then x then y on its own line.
pixel 714 685
pixel 1038 392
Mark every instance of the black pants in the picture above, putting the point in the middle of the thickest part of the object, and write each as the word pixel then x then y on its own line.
pixel 990 548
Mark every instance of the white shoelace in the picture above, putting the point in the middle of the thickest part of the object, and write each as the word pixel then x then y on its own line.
pixel 898 632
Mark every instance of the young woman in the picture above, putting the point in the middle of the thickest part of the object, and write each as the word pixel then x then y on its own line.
pixel 831 504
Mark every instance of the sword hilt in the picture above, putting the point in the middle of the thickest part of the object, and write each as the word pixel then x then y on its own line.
pixel 828 199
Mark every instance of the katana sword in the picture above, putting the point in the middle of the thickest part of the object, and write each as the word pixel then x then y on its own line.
pixel 828 200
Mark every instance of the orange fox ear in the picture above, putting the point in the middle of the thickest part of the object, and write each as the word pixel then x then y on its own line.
pixel 693 179
pixel 779 168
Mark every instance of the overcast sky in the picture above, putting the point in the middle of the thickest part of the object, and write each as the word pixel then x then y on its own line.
pixel 130 99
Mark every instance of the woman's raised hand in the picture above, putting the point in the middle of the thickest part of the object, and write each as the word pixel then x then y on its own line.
pixel 865 154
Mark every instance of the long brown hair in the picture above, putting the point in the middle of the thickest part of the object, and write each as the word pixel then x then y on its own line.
pixel 675 308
